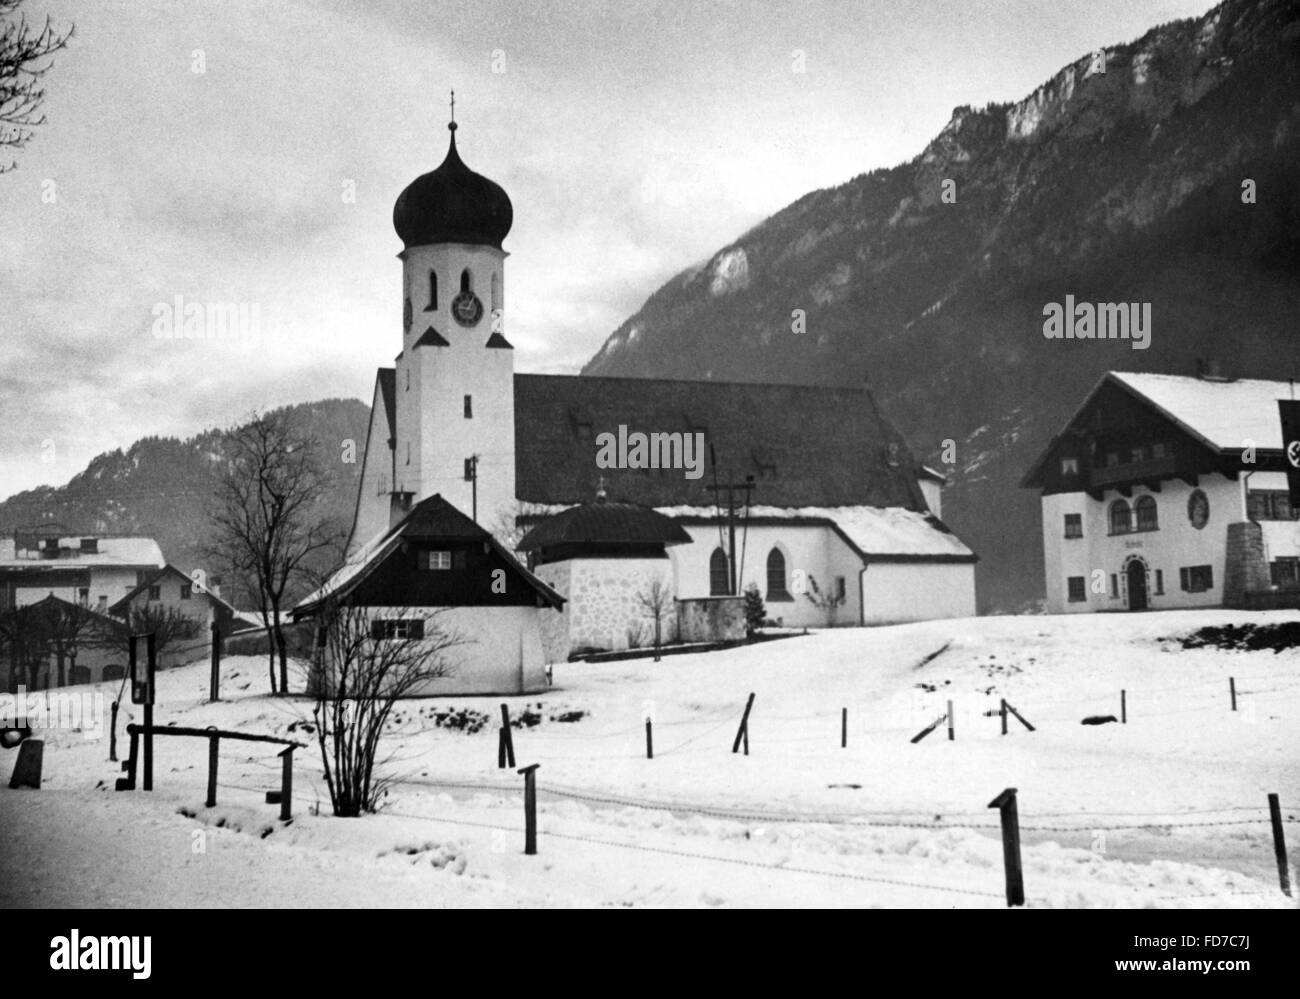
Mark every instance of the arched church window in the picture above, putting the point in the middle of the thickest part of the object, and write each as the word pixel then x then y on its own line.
pixel 433 291
pixel 776 575
pixel 719 577
pixel 465 280
pixel 496 292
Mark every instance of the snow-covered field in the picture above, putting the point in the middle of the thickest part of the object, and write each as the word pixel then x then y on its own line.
pixel 1169 810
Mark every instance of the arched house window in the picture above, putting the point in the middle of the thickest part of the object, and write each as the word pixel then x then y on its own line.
pixel 1145 509
pixel 1120 518
pixel 719 577
pixel 776 588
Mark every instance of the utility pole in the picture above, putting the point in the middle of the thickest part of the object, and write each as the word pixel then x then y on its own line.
pixel 731 487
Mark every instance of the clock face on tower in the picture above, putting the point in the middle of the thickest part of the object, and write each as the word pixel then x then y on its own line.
pixel 467 309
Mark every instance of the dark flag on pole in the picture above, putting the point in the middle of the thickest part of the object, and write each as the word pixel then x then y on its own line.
pixel 1290 410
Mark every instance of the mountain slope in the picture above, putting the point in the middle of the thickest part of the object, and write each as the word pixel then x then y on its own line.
pixel 1122 185
pixel 162 487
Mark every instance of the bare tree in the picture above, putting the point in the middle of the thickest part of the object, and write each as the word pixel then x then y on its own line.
pixel 655 601
pixel 65 629
pixel 24 58
pixel 361 669
pixel 169 625
pixel 827 603
pixel 268 529
pixel 20 629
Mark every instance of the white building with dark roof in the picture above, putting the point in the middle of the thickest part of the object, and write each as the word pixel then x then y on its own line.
pixel 838 504
pixel 95 571
pixel 1168 491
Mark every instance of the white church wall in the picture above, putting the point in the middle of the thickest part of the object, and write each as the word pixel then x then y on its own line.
pixel 816 551
pixel 373 501
pixel 917 591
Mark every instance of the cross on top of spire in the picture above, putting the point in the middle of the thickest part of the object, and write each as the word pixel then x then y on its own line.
pixel 452 126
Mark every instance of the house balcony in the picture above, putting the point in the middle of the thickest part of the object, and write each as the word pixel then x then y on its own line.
pixel 1137 471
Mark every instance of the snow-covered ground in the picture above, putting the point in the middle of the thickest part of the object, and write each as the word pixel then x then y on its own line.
pixel 1169 810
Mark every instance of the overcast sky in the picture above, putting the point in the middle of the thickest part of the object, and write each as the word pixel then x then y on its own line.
pixel 634 139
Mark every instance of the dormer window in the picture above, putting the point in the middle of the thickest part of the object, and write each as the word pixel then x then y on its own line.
pixel 1069 466
pixel 433 291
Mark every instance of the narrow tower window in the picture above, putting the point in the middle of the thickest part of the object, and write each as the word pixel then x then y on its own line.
pixel 465 280
pixel 496 292
pixel 469 407
pixel 433 291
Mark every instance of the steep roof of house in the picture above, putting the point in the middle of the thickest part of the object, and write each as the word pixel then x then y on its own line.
pixel 605 522
pixel 432 519
pixel 170 570
pixel 804 445
pixel 1224 414
pixel 99 617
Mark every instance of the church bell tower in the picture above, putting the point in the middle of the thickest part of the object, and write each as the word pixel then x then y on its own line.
pixel 454 379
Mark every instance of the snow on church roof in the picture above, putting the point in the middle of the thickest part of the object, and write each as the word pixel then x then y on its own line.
pixel 1226 414
pixel 878 533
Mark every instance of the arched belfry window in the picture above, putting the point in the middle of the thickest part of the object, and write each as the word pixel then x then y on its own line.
pixel 719 577
pixel 496 291
pixel 433 291
pixel 776 576
pixel 465 283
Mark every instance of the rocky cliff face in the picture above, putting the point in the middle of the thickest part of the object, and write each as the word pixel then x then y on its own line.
pixel 1123 178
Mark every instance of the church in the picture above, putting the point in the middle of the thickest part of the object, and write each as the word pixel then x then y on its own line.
pixel 807 493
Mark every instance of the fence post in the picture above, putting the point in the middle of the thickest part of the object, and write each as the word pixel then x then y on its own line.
pixel 1232 690
pixel 951 735
pixel 649 741
pixel 507 735
pixel 1279 844
pixel 127 783
pixel 214 681
pixel 1006 803
pixel 742 733
pixel 501 749
pixel 286 784
pixel 844 728
pixel 1123 707
pixel 530 808
pixel 214 742
pixel 151 647
pixel 1003 712
pixel 112 734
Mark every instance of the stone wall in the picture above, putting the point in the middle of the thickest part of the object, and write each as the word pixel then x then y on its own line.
pixel 604 609
pixel 711 619
pixel 1245 570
